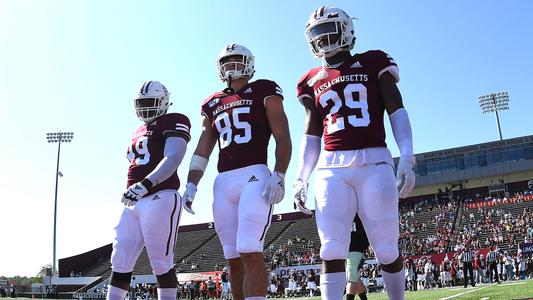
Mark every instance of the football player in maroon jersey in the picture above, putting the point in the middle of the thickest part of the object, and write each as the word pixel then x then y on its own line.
pixel 152 203
pixel 241 119
pixel 345 101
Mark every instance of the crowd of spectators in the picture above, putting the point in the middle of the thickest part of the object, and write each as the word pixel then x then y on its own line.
pixel 498 225
pixel 296 251
pixel 441 226
pixel 296 283
pixel 424 273
pixel 194 289
pixel 486 226
pixel 8 291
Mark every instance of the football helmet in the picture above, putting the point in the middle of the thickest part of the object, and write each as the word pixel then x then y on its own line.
pixel 328 31
pixel 151 101
pixel 242 66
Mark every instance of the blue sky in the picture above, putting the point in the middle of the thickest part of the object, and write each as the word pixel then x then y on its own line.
pixel 75 66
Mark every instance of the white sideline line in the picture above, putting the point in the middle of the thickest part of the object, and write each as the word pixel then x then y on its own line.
pixel 463 293
pixel 513 283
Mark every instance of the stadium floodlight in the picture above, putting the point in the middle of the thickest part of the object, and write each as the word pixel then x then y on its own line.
pixel 57 137
pixel 495 102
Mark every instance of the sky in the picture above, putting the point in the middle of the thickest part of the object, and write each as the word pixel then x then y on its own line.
pixel 76 65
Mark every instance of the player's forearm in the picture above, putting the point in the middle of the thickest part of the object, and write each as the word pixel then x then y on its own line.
pixel 195 176
pixel 197 166
pixel 174 152
pixel 308 156
pixel 201 155
pixel 401 128
pixel 163 171
pixel 283 154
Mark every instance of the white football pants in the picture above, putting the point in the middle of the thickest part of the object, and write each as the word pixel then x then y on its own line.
pixel 369 190
pixel 242 217
pixel 151 223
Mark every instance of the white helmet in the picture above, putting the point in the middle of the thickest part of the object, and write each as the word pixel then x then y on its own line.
pixel 151 101
pixel 333 28
pixel 246 62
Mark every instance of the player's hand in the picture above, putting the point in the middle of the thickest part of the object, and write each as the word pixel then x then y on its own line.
pixel 188 197
pixel 274 189
pixel 300 196
pixel 135 192
pixel 405 175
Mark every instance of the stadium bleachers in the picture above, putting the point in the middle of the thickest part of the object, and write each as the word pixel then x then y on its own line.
pixel 497 213
pixel 199 244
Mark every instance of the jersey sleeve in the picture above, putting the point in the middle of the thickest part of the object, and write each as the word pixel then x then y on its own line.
pixel 203 112
pixel 271 88
pixel 177 125
pixel 208 104
pixel 303 90
pixel 385 63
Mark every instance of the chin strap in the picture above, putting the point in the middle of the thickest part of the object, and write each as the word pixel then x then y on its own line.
pixel 322 74
pixel 229 90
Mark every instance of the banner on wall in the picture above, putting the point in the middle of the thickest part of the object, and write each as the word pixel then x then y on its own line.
pixel 527 248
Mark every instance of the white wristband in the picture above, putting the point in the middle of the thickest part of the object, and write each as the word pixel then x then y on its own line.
pixel 198 163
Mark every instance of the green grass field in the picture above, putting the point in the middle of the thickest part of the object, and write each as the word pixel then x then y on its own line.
pixel 504 291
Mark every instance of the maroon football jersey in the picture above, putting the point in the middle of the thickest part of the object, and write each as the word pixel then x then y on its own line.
pixel 241 122
pixel 147 148
pixel 349 101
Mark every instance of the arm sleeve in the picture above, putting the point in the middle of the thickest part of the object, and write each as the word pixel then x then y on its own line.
pixel 175 148
pixel 308 156
pixel 401 128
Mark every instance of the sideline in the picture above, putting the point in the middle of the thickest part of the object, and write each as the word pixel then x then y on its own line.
pixel 463 293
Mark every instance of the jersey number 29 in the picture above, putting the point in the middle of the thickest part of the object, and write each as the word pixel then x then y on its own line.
pixel 355 97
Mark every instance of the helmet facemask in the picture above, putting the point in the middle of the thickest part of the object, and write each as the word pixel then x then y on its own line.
pixel 152 101
pixel 150 108
pixel 329 32
pixel 235 61
pixel 235 66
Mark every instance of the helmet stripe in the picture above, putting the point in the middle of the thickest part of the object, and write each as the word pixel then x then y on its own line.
pixel 322 9
pixel 142 88
pixel 147 86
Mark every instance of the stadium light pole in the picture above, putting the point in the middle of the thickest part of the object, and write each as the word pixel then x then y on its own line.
pixel 57 137
pixel 495 102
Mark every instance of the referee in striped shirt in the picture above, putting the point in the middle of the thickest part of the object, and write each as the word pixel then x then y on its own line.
pixel 492 260
pixel 467 257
